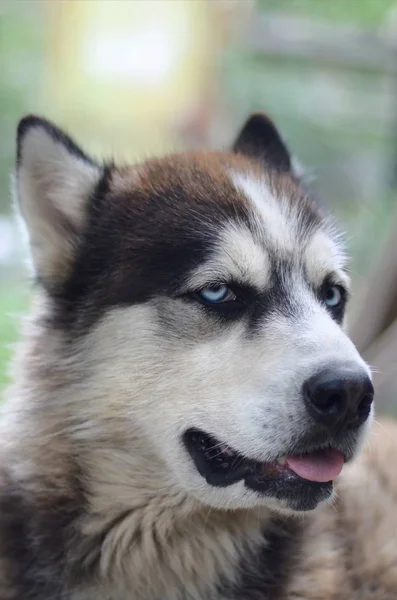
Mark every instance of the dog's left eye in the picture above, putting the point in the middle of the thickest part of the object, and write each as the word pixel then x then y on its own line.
pixel 333 296
pixel 216 294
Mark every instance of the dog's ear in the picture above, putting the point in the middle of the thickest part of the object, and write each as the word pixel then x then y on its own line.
pixel 53 181
pixel 260 139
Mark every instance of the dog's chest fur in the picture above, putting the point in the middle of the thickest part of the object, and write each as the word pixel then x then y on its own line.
pixel 342 552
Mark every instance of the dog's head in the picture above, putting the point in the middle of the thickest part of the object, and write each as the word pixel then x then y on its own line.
pixel 204 296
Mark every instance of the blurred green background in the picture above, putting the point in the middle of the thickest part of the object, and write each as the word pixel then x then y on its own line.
pixel 132 78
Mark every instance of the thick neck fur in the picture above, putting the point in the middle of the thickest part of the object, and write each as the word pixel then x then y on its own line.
pixel 138 534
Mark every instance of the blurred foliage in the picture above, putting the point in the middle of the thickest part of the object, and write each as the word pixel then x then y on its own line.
pixel 21 58
pixel 367 13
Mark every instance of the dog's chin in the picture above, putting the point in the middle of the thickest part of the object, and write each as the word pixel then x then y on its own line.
pixel 223 478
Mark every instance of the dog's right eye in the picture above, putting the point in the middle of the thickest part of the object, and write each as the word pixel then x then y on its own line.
pixel 220 298
pixel 217 294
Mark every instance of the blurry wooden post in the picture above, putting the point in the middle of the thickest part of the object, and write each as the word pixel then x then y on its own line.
pixel 379 304
pixel 382 355
pixel 374 331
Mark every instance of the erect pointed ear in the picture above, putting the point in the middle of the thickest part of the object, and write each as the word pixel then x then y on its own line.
pixel 260 139
pixel 53 182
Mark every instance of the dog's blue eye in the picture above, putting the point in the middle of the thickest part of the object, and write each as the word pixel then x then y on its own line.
pixel 333 296
pixel 216 294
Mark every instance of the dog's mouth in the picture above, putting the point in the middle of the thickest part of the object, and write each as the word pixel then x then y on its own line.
pixel 301 480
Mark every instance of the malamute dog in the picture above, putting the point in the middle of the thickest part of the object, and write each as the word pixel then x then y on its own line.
pixel 186 397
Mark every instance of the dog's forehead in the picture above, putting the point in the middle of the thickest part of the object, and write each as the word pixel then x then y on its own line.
pixel 223 198
pixel 197 181
pixel 210 187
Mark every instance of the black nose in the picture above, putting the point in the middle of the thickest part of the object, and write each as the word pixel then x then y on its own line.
pixel 339 398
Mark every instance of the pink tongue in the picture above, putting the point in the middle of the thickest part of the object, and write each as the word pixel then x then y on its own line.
pixel 322 466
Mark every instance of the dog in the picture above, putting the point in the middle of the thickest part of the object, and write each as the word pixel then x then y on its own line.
pixel 188 419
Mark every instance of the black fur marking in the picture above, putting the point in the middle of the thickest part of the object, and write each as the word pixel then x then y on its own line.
pixel 277 298
pixel 33 121
pixel 265 574
pixel 260 139
pixel 138 247
pixel 35 539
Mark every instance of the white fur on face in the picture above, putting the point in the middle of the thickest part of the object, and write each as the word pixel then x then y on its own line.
pixel 238 257
pixel 324 256
pixel 272 213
